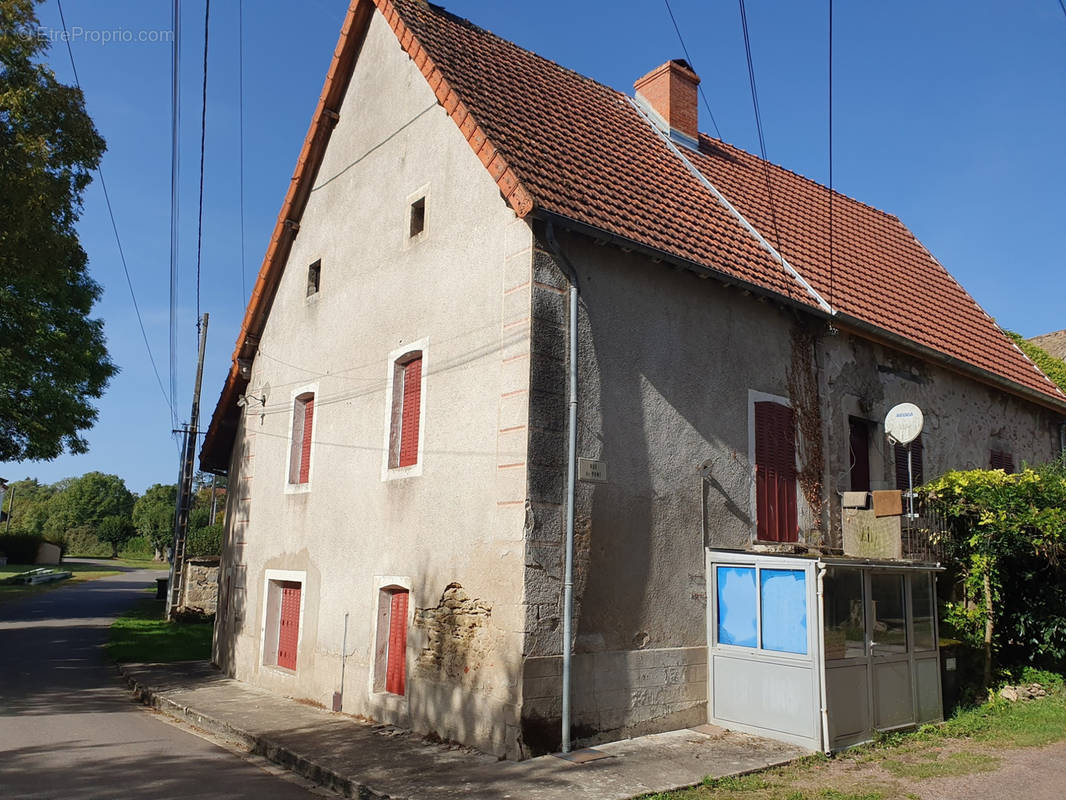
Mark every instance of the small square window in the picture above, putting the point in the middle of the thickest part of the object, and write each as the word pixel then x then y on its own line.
pixel 314 274
pixel 418 218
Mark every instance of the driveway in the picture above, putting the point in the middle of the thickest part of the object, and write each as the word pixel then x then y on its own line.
pixel 68 729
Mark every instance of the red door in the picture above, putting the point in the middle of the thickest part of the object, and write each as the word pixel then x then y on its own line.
pixel 289 631
pixel 396 668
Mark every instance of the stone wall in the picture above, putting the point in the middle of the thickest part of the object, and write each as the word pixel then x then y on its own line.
pixel 199 590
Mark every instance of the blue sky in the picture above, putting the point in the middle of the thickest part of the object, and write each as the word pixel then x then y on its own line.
pixel 949 114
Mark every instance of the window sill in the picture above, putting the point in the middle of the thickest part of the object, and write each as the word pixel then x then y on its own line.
pixel 396 473
pixel 298 488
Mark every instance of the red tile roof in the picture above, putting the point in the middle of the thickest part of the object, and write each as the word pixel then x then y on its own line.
pixel 559 143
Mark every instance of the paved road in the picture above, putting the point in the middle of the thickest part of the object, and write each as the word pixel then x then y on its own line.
pixel 68 728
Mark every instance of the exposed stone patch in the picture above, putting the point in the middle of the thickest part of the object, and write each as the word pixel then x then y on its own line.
pixel 457 640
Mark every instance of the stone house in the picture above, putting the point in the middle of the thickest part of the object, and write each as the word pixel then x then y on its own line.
pixel 399 465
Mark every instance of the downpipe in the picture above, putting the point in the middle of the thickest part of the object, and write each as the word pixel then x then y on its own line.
pixel 571 481
pixel 822 690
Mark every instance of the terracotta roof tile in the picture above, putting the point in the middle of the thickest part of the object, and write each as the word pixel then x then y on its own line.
pixel 558 141
pixel 584 152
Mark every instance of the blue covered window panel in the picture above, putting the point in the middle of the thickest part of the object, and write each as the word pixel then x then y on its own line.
pixel 736 606
pixel 784 610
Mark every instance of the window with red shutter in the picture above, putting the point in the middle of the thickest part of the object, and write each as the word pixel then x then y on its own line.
pixel 289 626
pixel 396 661
pixel 406 411
pixel 775 473
pixel 303 416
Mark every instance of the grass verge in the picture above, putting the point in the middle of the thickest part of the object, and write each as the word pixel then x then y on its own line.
pixel 142 635
pixel 893 767
pixel 15 591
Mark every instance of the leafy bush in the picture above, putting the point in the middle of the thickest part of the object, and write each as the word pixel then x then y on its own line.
pixel 1054 368
pixel 1008 538
pixel 20 548
pixel 137 547
pixel 81 541
pixel 206 541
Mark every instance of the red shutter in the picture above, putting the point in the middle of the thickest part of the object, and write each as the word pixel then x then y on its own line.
pixel 410 412
pixel 396 669
pixel 289 631
pixel 775 473
pixel 305 448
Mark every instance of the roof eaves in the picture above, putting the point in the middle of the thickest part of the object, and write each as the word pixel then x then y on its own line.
pixel 506 179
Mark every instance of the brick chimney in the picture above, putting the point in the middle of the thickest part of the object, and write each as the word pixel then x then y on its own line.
pixel 670 91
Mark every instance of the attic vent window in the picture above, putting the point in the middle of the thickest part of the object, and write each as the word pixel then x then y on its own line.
pixel 314 274
pixel 418 218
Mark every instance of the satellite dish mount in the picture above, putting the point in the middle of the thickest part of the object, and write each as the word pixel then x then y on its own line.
pixel 903 424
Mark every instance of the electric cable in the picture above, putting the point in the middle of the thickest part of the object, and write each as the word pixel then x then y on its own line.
pixel 758 122
pixel 114 226
pixel 688 58
pixel 203 137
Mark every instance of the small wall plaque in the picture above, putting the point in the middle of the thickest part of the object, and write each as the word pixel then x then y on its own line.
pixel 592 471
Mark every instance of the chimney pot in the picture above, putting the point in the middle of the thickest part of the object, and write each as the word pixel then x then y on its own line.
pixel 670 91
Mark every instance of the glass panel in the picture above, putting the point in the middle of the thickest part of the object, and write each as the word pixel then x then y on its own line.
pixel 784 610
pixel 922 603
pixel 736 606
pixel 845 614
pixel 890 616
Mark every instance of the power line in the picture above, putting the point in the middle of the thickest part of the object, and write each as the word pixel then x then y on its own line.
pixel 240 93
pixel 175 183
pixel 203 136
pixel 114 226
pixel 758 122
pixel 1063 4
pixel 830 152
pixel 688 58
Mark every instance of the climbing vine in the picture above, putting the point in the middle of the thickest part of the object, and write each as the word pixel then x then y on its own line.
pixel 806 405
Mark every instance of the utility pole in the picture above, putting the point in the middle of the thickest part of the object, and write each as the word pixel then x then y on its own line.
pixel 214 504
pixel 181 522
pixel 10 506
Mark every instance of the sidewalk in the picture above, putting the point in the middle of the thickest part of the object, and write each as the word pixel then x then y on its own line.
pixel 362 760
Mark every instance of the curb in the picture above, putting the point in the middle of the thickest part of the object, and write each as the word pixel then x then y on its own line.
pixel 258 745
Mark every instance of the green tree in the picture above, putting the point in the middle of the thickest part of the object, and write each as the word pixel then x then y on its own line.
pixel 86 502
pixel 116 531
pixel 1054 368
pixel 153 515
pixel 53 357
pixel 27 502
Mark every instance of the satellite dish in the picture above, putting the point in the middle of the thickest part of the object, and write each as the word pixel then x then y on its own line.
pixel 904 423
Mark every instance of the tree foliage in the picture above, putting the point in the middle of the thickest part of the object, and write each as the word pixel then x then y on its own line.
pixel 87 501
pixel 116 531
pixel 153 514
pixel 53 357
pixel 1054 368
pixel 1008 536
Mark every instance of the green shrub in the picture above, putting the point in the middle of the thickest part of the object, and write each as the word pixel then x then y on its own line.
pixel 206 541
pixel 138 547
pixel 81 541
pixel 20 548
